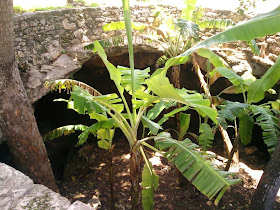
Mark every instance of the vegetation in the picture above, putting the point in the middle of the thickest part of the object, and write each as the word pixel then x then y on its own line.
pixel 20 10
pixel 151 94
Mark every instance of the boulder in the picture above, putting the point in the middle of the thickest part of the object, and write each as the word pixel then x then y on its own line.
pixel 18 192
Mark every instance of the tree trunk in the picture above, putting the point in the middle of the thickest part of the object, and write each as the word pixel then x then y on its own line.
pixel 17 120
pixel 134 176
pixel 269 184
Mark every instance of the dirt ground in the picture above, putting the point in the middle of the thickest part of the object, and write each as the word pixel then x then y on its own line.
pixel 91 182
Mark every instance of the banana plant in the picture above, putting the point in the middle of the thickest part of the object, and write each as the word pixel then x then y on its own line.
pixel 259 26
pixel 149 96
pixel 248 111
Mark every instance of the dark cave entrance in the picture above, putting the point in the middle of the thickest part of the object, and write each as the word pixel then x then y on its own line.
pixel 51 115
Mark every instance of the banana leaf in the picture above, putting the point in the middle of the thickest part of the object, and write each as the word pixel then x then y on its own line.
pixel 195 167
pixel 257 89
pixel 64 130
pixel 259 26
pixel 246 124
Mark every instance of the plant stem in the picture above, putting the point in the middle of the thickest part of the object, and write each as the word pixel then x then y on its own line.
pixel 152 148
pixel 235 146
pixel 134 178
pixel 146 159
pixel 111 181
pixel 208 94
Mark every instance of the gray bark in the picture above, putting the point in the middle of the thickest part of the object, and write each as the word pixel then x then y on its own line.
pixel 269 184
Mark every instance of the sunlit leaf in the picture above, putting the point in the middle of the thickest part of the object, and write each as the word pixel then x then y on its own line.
pixel 258 88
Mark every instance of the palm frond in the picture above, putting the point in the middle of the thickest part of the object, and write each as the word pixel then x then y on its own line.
pixel 269 124
pixel 195 167
pixel 64 131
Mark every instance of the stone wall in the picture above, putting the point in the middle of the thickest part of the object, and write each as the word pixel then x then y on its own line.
pixel 41 37
pixel 49 44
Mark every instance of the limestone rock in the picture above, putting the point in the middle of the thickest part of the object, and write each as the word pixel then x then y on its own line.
pixel 19 192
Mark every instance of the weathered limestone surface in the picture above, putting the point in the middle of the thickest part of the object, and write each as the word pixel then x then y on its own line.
pixel 19 192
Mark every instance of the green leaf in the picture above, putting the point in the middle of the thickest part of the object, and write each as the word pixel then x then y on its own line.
pixel 83 102
pixel 121 25
pixel 193 165
pixel 172 114
pixel 128 27
pixel 153 127
pixel 103 144
pixel 115 75
pixel 216 23
pixel 235 79
pixel 114 26
pixel 257 89
pixel 154 112
pixel 105 133
pixel 246 124
pixel 64 130
pixel 161 86
pixel 188 29
pixel 275 104
pixel 259 26
pixel 148 198
pixel 188 10
pixel 149 179
pixel 93 130
pixel 254 47
pixel 139 78
pixel 216 60
pixel 150 182
pixel 206 136
pixel 184 124
pixel 229 111
pixel 269 124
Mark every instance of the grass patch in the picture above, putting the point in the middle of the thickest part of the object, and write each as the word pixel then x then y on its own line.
pixel 20 10
pixel 49 8
pixel 94 4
